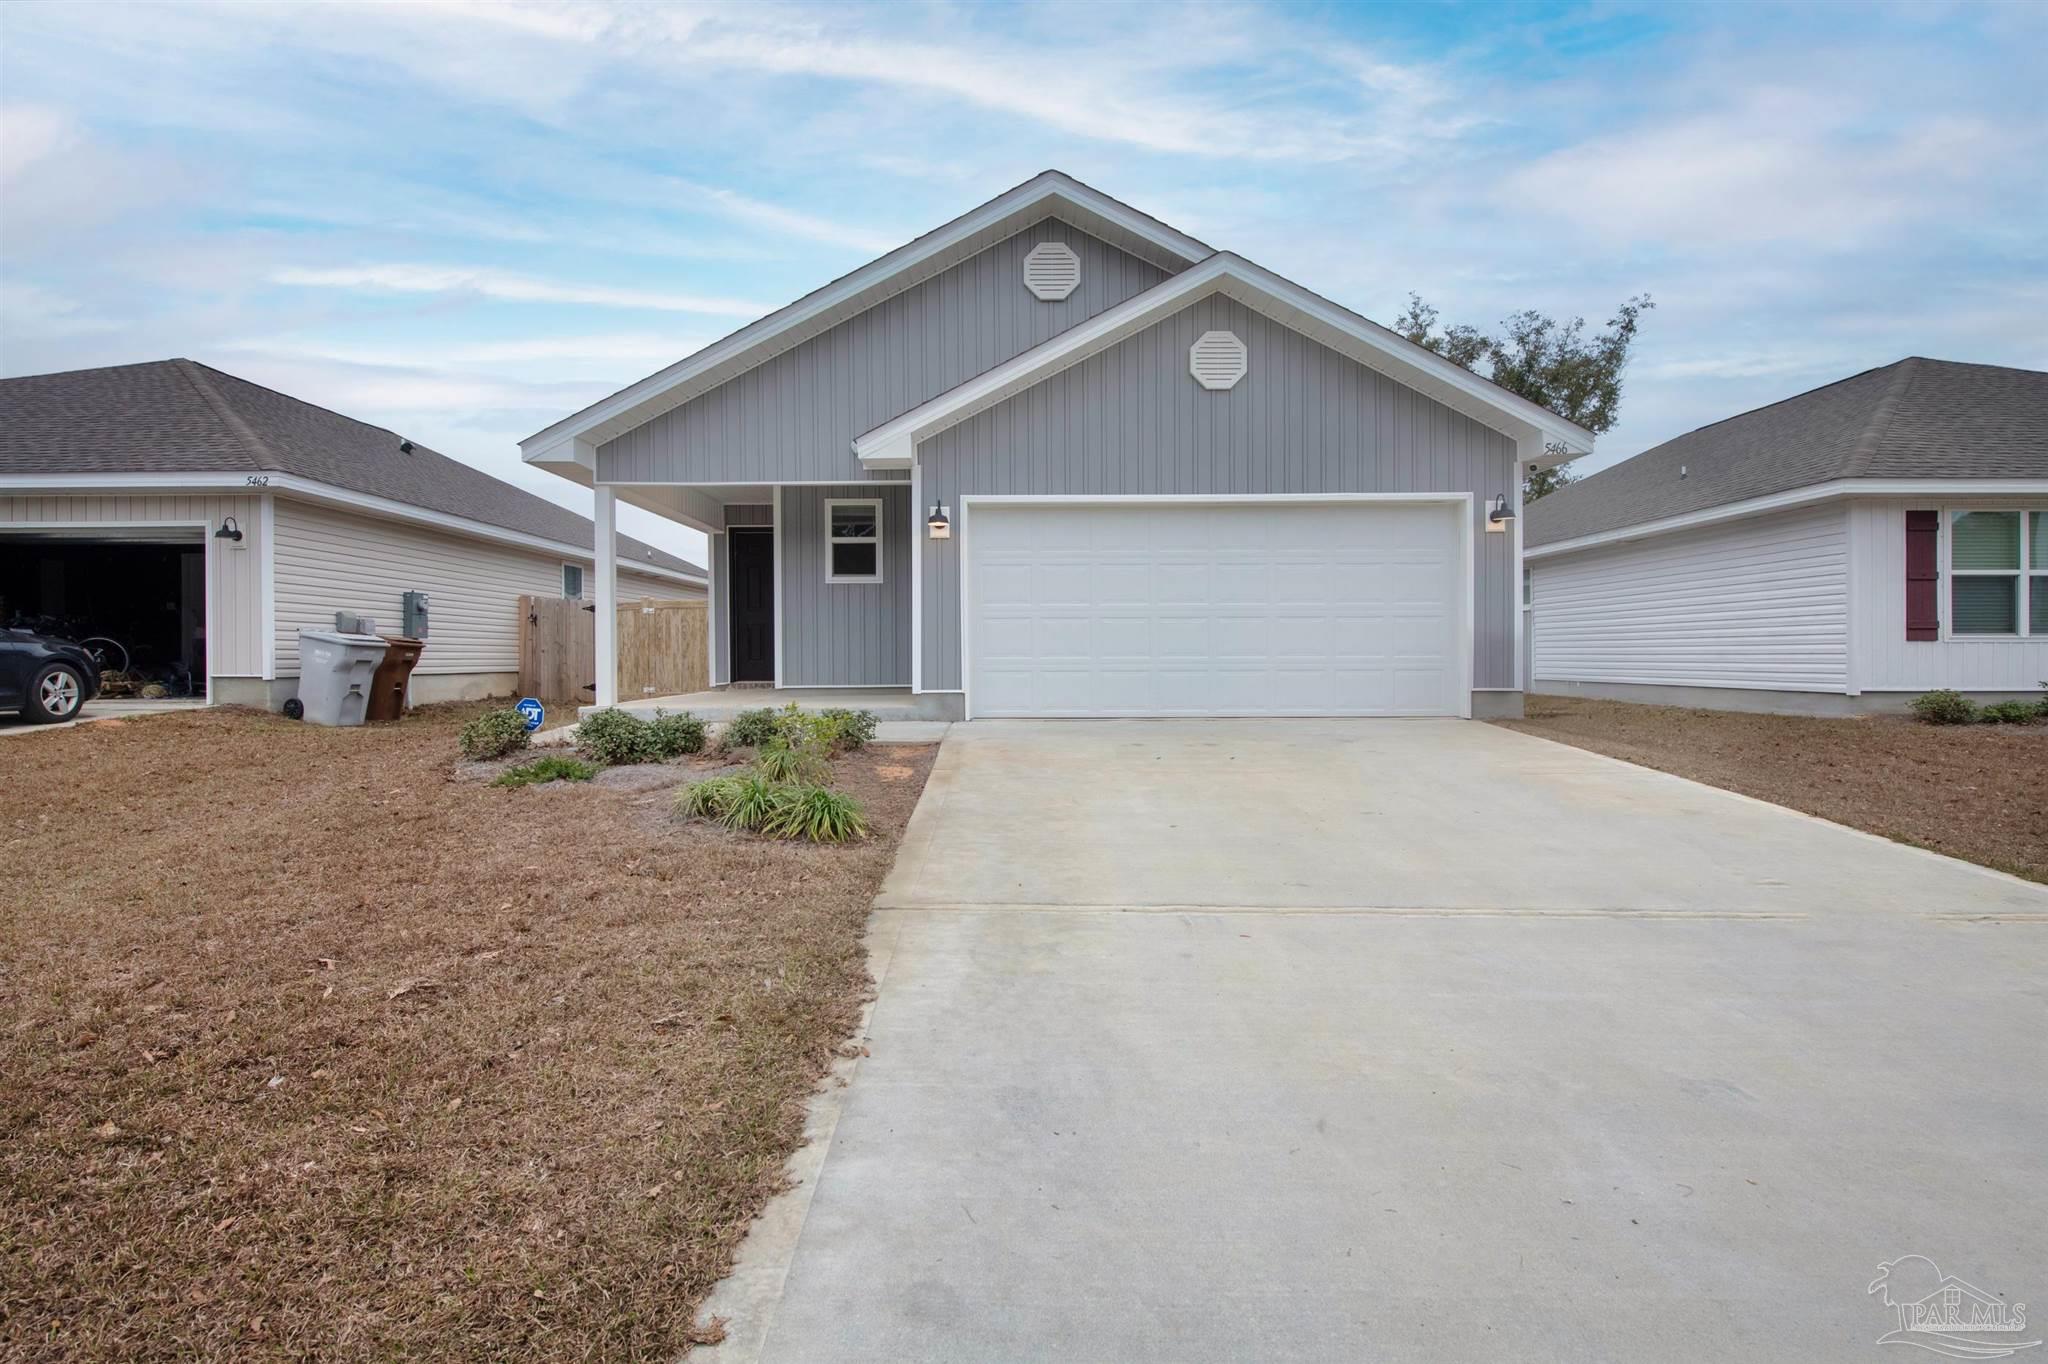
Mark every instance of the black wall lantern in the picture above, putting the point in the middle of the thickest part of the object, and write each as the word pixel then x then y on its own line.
pixel 941 525
pixel 230 529
pixel 1500 513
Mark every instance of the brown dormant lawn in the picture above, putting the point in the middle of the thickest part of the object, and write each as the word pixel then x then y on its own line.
pixel 313 1049
pixel 1971 791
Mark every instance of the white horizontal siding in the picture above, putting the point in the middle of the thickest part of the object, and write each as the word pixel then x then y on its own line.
pixel 234 645
pixel 1885 659
pixel 330 561
pixel 1762 602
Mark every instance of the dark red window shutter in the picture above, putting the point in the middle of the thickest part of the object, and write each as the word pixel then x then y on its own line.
pixel 1923 546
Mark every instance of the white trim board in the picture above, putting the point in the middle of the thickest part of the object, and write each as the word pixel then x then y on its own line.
pixel 313 491
pixel 1467 555
pixel 775 527
pixel 881 531
pixel 891 273
pixel 1934 489
pixel 890 445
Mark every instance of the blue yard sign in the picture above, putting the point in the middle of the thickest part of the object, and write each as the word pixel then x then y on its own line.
pixel 536 714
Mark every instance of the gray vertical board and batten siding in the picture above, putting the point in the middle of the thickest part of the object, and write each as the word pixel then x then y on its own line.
pixel 844 634
pixel 793 417
pixel 1133 421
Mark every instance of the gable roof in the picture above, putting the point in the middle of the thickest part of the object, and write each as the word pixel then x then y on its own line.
pixel 1048 194
pixel 1913 419
pixel 182 417
pixel 890 445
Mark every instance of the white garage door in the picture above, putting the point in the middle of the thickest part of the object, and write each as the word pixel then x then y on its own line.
pixel 1273 608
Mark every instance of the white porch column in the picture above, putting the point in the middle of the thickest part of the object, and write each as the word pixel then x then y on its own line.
pixel 604 516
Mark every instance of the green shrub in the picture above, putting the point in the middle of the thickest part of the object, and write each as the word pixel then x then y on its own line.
pixel 749 729
pixel 814 813
pixel 613 736
pixel 1944 707
pixel 2010 713
pixel 554 767
pixel 493 734
pixel 2041 706
pixel 847 730
pixel 671 736
pixel 784 762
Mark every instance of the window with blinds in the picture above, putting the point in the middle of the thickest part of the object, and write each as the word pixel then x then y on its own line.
pixel 1998 573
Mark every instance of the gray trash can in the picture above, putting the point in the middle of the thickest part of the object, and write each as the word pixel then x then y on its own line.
pixel 334 675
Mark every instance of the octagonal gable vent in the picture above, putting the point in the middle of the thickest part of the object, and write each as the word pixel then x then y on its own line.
pixel 1217 360
pixel 1052 271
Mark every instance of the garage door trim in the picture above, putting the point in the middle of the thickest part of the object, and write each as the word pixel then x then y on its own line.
pixel 1463 502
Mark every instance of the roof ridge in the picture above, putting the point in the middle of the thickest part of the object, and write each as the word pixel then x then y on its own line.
pixel 1865 448
pixel 266 458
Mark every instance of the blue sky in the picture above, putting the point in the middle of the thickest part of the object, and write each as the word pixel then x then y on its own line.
pixel 463 222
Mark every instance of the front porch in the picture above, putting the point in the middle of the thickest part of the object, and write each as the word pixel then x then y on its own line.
pixel 810 593
pixel 891 705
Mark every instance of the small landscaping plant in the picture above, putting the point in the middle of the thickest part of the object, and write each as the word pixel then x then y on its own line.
pixel 1944 707
pixel 847 730
pixel 2010 713
pixel 751 801
pixel 814 813
pixel 674 735
pixel 493 734
pixel 782 761
pixel 781 796
pixel 554 767
pixel 749 729
pixel 613 737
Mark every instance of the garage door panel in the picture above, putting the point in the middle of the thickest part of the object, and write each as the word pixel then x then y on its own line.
pixel 1241 609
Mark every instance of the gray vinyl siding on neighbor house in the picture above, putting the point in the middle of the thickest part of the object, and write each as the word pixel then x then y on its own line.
pixel 844 634
pixel 793 418
pixel 1304 419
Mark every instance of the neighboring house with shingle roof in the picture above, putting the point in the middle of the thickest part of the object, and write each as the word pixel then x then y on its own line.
pixel 1844 549
pixel 115 486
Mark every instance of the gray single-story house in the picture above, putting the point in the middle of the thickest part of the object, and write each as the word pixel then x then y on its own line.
pixel 1057 458
pixel 203 521
pixel 1840 551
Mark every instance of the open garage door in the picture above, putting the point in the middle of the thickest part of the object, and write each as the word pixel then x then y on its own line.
pixel 1253 607
pixel 142 588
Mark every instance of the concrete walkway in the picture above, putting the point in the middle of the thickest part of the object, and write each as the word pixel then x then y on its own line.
pixel 1302 1040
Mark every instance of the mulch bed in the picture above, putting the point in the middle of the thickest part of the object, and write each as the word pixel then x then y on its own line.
pixel 1971 791
pixel 315 1048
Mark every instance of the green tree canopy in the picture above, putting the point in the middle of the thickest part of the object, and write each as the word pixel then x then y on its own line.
pixel 1546 361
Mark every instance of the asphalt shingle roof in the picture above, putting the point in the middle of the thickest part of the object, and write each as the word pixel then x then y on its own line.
pixel 179 416
pixel 1916 418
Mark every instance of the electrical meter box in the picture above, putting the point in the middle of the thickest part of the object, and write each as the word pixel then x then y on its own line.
pixel 414 624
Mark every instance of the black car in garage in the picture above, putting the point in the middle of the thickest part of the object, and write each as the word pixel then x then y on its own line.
pixel 46 678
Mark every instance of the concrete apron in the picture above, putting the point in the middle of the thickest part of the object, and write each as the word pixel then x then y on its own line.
pixel 1659 1072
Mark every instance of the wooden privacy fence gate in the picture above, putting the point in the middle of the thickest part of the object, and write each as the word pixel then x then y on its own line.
pixel 664 648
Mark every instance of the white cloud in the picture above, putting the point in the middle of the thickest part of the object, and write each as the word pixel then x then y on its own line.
pixel 1774 165
pixel 504 285
pixel 29 133
pixel 624 354
pixel 792 223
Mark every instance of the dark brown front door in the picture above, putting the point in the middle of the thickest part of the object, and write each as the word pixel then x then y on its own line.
pixel 751 559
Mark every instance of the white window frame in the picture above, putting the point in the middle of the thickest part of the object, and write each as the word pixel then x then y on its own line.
pixel 874 504
pixel 581 579
pixel 2025 572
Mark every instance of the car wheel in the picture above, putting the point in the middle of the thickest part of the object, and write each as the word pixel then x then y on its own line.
pixel 56 694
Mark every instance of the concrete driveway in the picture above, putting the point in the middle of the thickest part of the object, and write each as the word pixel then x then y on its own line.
pixel 1303 1040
